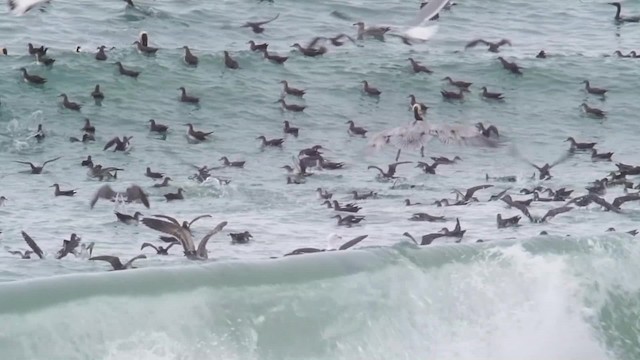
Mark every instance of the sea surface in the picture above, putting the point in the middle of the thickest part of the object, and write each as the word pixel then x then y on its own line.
pixel 572 294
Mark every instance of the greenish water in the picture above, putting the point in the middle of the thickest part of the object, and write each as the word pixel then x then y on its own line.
pixel 541 110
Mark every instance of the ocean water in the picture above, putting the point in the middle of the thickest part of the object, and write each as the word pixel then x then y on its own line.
pixel 570 295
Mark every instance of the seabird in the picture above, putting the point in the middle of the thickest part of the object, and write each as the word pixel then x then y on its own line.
pixel 310 51
pixel 593 90
pixel 335 41
pixel 257 47
pixel 4 51
pixel 462 85
pixel 96 94
pixel 189 58
pixel 153 175
pixel 324 194
pixel 356 130
pixel 187 98
pixel 101 173
pixel 59 192
pixel 348 220
pixel 160 250
pixel 288 129
pixel 292 91
pixel 541 55
pixel 33 79
pixel 127 72
pixel 450 95
pixel 351 207
pixel 312 151
pixel 241 238
pixel 256 26
pixel 39 135
pixel 69 104
pixel 33 245
pixel 185 225
pixel 545 169
pixel 493 47
pixel 426 217
pixel 511 66
pixel 174 196
pixel 148 50
pixel 155 127
pixel 509 178
pixel 274 58
pixel 128 219
pixel 579 146
pixel 291 107
pixel 40 59
pixel 391 170
pixel 120 145
pixel 36 51
pixel 468 195
pixel 374 32
pixel 131 194
pixel 422 108
pixel 425 239
pixel 271 142
pixel 623 19
pixel 196 134
pixel 87 162
pixel 230 62
pixel 23 255
pixel 426 168
pixel 333 239
pixel 37 169
pixel 226 162
pixel 21 7
pixel 101 55
pixel 595 112
pixel 184 236
pixel 601 156
pixel 417 68
pixel 3 199
pixel 407 202
pixel 457 231
pixel 509 222
pixel 446 161
pixel 116 263
pixel 68 246
pixel 369 90
pixel 491 95
pixel 486 132
pixel 164 183
pixel 365 196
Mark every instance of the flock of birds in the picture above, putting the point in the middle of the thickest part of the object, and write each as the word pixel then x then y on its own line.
pixel 409 137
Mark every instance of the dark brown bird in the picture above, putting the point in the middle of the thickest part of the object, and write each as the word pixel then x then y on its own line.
pixel 491 95
pixel 468 195
pixel 153 175
pixel 131 194
pixel 272 142
pixel 417 68
pixel 391 169
pixel 421 107
pixel 116 263
pixel 197 135
pixel 511 66
pixel 493 47
pixel 96 94
pixel 87 162
pixel 127 72
pixel 59 192
pixel 33 79
pixel 292 91
pixel 595 112
pixel 155 127
pixel 257 47
pixel 226 162
pixel 288 129
pixel 428 169
pixel 187 98
pixel 175 196
pixel 230 62
pixel 256 26
pixel 486 132
pixel 88 128
pixel 541 55
pixel 145 49
pixel 425 239
pixel 36 170
pixel 120 145
pixel 69 104
pixel 189 58
pixel 291 107
pixel 310 51
pixel 450 95
pixel 579 146
pixel 356 130
pixel 601 156
pixel 462 85
pixel 275 58
pixel 508 222
pixel 335 41
pixel 369 90
pixel 101 55
pixel 164 183
pixel 593 90
pixel 160 250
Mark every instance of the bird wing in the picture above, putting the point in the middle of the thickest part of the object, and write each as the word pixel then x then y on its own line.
pixel 202 246
pixel 377 168
pixel 504 42
pixel 623 199
pixel 32 244
pixel 26 163
pixel 15 252
pixel 553 212
pixel 562 159
pixel 428 11
pixel 170 239
pixel 170 245
pixel 20 7
pixel 475 42
pixel 111 143
pixel 144 245
pixel 52 160
pixel 105 192
pixel 198 218
pixel 347 36
pixel 128 263
pixel 134 192
pixel 315 41
pixel 173 220
pixel 172 229
pixel 472 190
pixel 113 260
pixel 352 242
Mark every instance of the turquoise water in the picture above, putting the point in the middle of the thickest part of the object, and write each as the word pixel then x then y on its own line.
pixel 564 306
